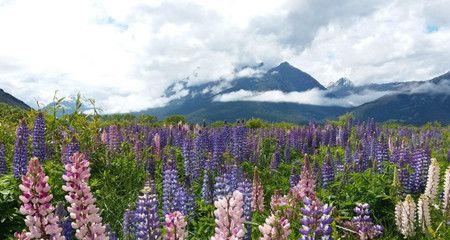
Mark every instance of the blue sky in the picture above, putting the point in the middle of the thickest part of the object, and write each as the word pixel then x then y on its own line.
pixel 125 53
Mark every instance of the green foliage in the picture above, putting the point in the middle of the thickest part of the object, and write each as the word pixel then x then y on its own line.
pixel 10 218
pixel 175 119
pixel 256 123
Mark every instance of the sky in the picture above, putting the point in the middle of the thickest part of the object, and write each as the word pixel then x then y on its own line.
pixel 126 53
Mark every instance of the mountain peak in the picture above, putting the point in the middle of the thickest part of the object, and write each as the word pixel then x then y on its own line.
pixel 341 83
pixel 282 67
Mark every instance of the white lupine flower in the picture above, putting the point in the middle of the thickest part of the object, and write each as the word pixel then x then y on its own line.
pixel 446 199
pixel 405 213
pixel 423 212
pixel 433 180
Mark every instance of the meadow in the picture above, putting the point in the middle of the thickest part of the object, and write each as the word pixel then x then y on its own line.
pixel 132 177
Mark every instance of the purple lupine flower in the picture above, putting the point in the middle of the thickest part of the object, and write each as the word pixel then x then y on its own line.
pixel 188 156
pixel 70 149
pixel 276 160
pixel 294 177
pixel 147 222
pixel 327 171
pixel 64 221
pixel 110 233
pixel 287 154
pixel 239 134
pixel 316 220
pixel 115 138
pixel 246 188
pixel 174 194
pixel 325 221
pixel 20 158
pixel 3 168
pixel 363 223
pixel 170 184
pixel 380 156
pixel 39 137
pixel 138 146
pixel 129 224
pixel 190 200
pixel 218 148
pixel 207 186
pixel 227 182
pixel 420 163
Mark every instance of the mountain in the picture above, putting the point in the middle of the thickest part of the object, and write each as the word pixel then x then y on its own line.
pixel 418 103
pixel 416 109
pixel 414 102
pixel 284 77
pixel 198 103
pixel 10 100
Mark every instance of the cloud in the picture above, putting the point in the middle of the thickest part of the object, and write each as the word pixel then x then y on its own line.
pixel 126 53
pixel 312 97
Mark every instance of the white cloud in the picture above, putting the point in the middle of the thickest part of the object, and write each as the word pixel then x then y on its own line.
pixel 312 97
pixel 126 53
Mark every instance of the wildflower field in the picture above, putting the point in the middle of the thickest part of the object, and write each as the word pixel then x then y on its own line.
pixel 132 177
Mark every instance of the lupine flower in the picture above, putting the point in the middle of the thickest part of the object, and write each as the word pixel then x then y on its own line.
pixel 207 194
pixel 156 145
pixel 175 225
pixel 173 194
pixel 146 215
pixel 433 180
pixel 39 137
pixel 420 162
pixel 40 219
pixel 138 146
pixel 229 217
pixel 423 212
pixel 188 156
pixel 405 215
pixel 327 171
pixel 305 187
pixel 275 228
pixel 276 160
pixel 85 215
pixel 64 221
pixel 69 150
pixel 190 198
pixel 446 197
pixel 20 157
pixel 245 187
pixel 115 138
pixel 293 178
pixel 257 193
pixel 110 233
pixel 3 168
pixel 316 220
pixel 128 223
pixel 363 224
pixel 227 182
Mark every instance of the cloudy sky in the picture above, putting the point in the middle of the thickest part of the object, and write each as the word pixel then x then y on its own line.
pixel 125 53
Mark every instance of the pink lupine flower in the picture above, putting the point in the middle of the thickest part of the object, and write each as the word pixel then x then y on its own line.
pixel 21 235
pixel 40 219
pixel 157 145
pixel 275 228
pixel 86 219
pixel 305 187
pixel 175 225
pixel 257 193
pixel 229 217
